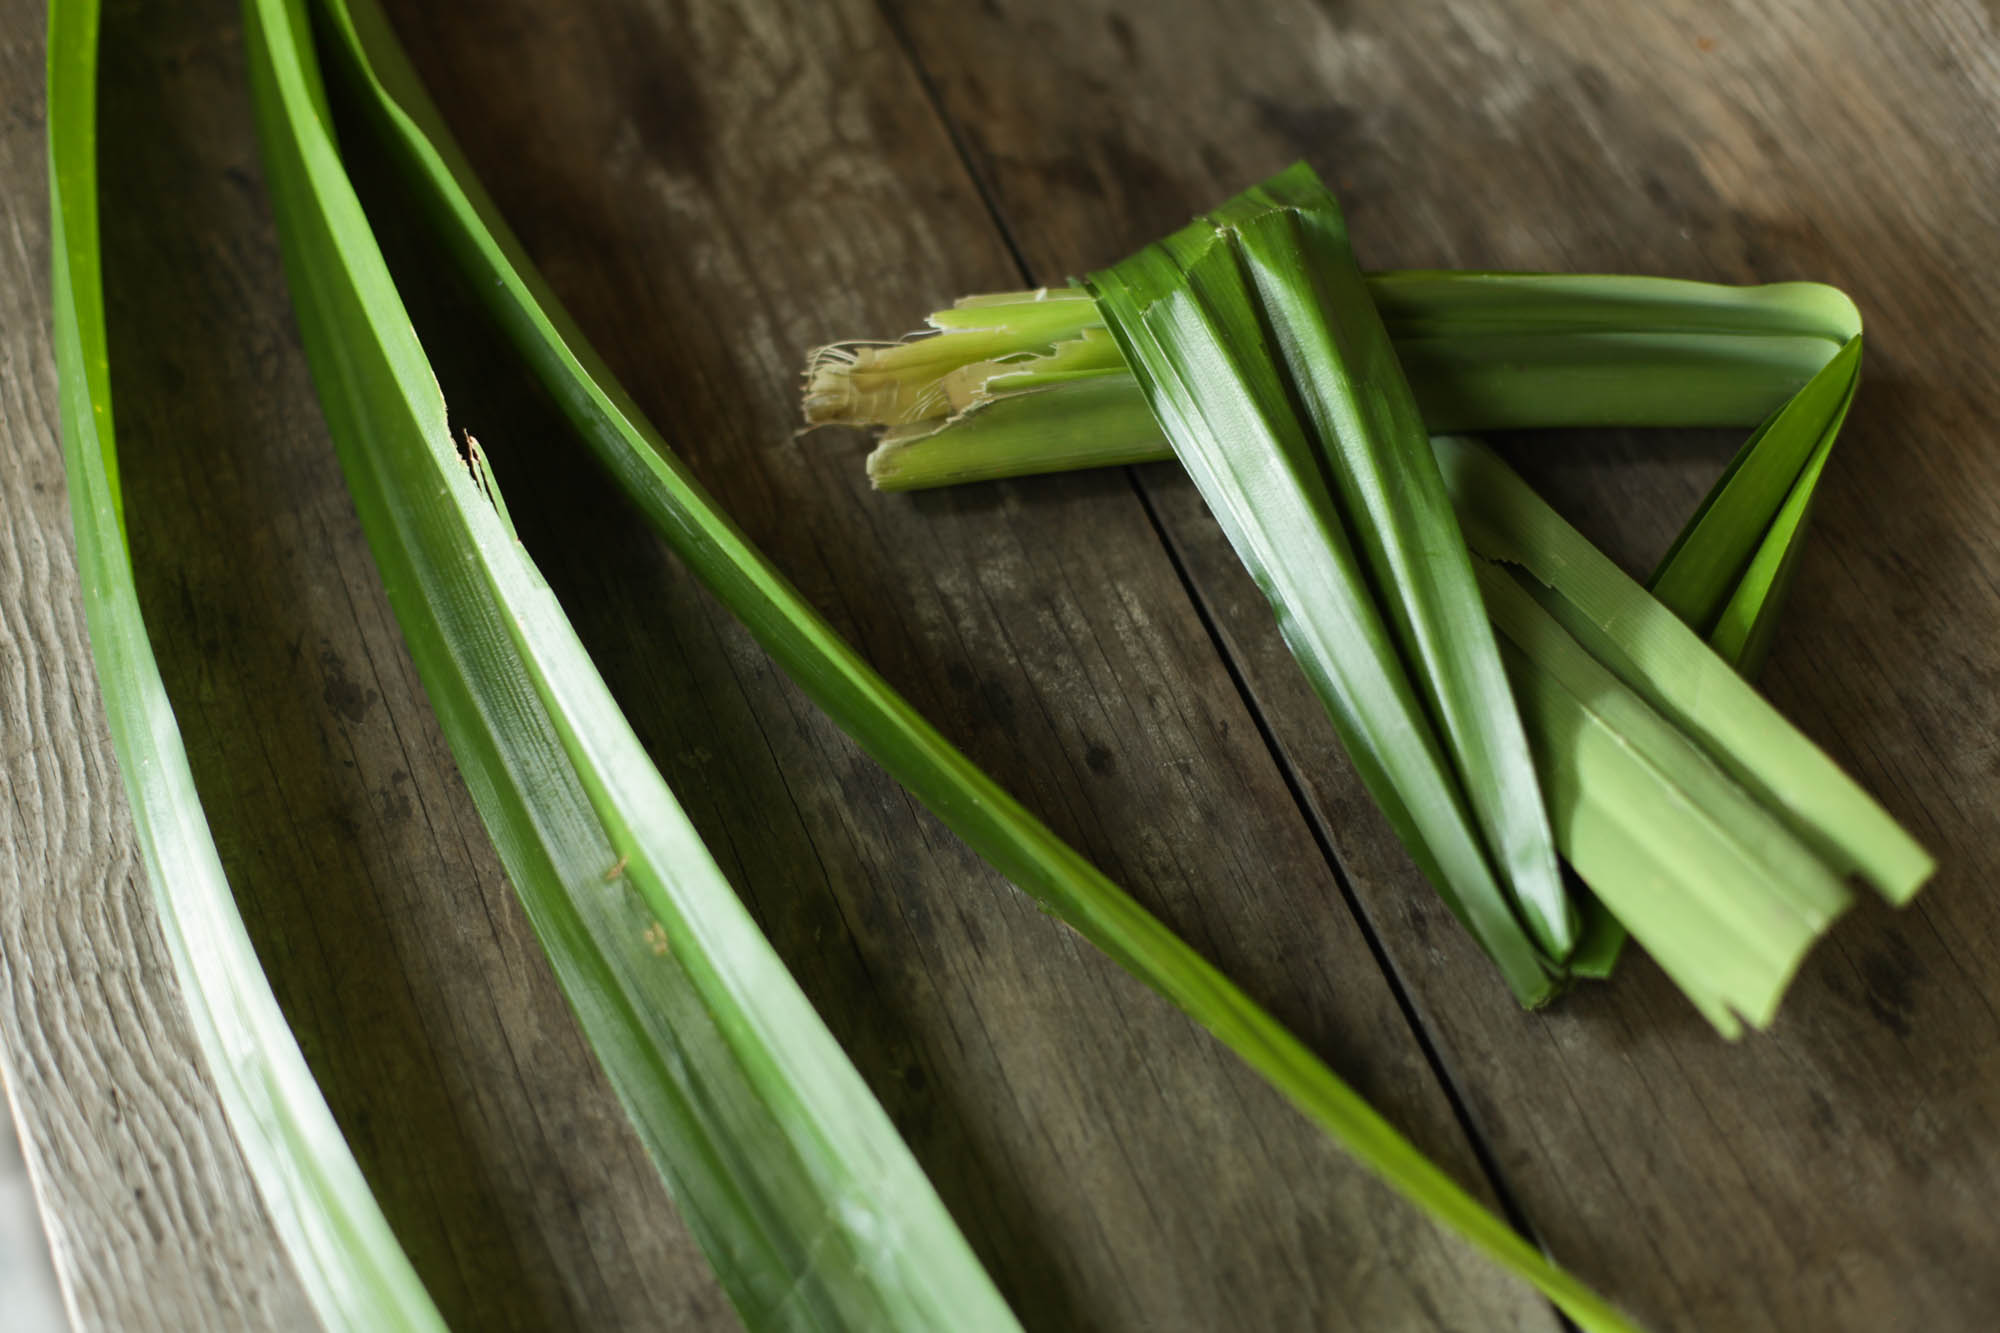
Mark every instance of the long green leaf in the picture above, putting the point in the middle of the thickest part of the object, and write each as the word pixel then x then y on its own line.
pixel 1698 783
pixel 441 183
pixel 1340 360
pixel 353 1271
pixel 812 1211
pixel 1639 639
pixel 1018 382
pixel 1268 368
pixel 1720 892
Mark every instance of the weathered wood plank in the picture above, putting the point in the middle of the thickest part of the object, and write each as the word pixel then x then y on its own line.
pixel 1833 1174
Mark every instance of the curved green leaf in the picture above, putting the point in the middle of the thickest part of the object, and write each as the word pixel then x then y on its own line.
pixel 808 1204
pixel 1193 331
pixel 354 1272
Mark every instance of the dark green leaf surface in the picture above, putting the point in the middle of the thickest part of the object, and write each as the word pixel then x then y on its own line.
pixel 1496 349
pixel 1338 356
pixel 1263 359
pixel 807 1203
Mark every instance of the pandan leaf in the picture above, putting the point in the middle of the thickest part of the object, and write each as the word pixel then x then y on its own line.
pixel 1482 351
pixel 1014 383
pixel 1722 894
pixel 1266 365
pixel 353 1271
pixel 1727 573
pixel 807 1203
pixel 1650 650
pixel 1713 829
pixel 1695 782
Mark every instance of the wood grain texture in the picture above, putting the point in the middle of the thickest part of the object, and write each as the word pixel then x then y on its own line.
pixel 714 187
pixel 1833 1174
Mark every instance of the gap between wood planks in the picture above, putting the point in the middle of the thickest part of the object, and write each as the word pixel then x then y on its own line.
pixel 1447 1081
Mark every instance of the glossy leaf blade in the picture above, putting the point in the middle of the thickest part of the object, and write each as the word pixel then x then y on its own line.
pixel 807 1203
pixel 1487 345
pixel 1193 330
pixel 355 1274
pixel 1653 652
pixel 1345 371
pixel 1704 568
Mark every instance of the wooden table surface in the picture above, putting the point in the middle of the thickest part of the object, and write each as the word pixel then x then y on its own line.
pixel 714 187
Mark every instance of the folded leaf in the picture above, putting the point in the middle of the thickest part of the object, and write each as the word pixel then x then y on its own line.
pixel 1648 648
pixel 1719 891
pixel 1481 351
pixel 1727 573
pixel 1265 363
